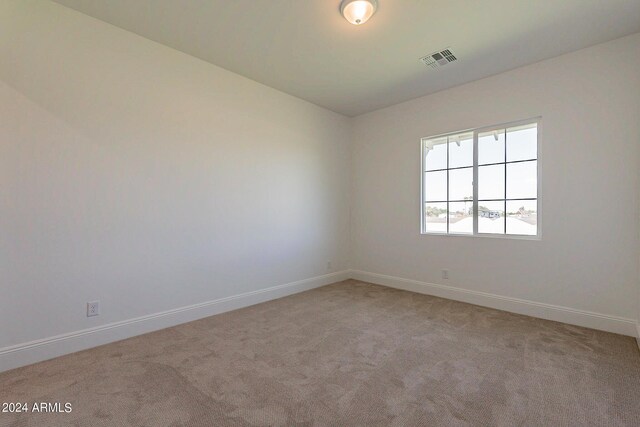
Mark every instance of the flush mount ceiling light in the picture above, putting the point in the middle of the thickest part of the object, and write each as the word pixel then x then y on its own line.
pixel 358 12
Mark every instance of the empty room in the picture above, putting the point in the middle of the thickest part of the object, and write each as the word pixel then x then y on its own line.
pixel 319 213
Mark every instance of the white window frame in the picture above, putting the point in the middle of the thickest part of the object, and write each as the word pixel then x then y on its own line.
pixel 475 233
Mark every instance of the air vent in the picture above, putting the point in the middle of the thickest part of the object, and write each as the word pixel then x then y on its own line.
pixel 440 58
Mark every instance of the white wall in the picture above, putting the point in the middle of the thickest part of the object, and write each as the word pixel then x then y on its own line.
pixel 147 179
pixel 589 140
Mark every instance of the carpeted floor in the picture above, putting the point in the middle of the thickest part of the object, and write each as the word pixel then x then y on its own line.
pixel 343 355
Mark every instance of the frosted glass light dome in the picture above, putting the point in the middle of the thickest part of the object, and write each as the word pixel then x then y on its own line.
pixel 358 12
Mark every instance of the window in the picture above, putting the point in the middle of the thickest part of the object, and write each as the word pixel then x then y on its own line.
pixel 503 161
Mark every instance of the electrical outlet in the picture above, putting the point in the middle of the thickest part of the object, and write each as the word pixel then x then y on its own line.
pixel 445 274
pixel 93 308
pixel 328 265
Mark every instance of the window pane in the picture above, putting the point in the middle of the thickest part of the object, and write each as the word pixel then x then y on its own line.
pixel 461 150
pixel 491 182
pixel 506 181
pixel 435 217
pixel 522 143
pixel 435 151
pixel 461 217
pixel 435 186
pixel 522 217
pixel 491 147
pixel 491 217
pixel 460 184
pixel 522 180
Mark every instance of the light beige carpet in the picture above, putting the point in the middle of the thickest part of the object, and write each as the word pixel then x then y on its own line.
pixel 344 355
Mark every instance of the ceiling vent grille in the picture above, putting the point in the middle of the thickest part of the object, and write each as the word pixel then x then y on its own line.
pixel 440 58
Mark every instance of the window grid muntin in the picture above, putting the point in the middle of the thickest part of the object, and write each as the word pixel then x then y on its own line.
pixel 505 128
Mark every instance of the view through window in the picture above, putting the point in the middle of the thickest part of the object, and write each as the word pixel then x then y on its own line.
pixel 503 161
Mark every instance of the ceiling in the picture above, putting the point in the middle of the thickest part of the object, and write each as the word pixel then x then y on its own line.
pixel 305 47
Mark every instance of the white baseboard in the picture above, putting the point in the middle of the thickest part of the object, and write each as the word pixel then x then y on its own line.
pixel 47 348
pixel 603 322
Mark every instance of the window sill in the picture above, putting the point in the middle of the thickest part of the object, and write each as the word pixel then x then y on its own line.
pixel 486 235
